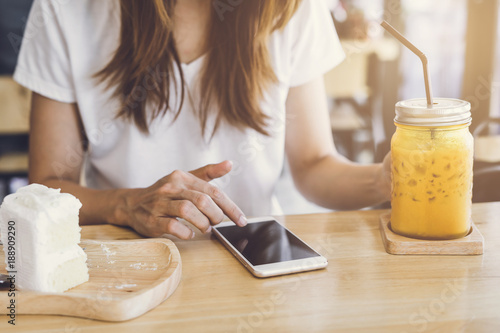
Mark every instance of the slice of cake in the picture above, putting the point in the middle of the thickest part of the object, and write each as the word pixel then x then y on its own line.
pixel 46 256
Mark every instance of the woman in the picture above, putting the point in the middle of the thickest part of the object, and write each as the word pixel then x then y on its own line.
pixel 148 90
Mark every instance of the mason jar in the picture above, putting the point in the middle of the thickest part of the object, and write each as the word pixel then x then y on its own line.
pixel 432 156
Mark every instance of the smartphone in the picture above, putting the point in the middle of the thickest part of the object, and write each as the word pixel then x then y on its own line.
pixel 266 248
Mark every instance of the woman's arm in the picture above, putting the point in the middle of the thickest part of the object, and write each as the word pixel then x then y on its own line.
pixel 56 159
pixel 320 173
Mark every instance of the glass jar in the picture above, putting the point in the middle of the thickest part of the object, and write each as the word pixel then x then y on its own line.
pixel 432 156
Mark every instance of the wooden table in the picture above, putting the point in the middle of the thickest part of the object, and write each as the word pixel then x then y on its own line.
pixel 363 289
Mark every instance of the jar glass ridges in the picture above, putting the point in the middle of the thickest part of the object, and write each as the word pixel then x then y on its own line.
pixel 432 155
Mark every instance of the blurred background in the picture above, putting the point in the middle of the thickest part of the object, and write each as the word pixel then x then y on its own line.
pixel 459 37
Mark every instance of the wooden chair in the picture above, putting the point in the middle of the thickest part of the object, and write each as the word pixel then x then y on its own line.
pixel 350 87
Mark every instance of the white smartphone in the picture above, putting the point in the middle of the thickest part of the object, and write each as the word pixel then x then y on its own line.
pixel 266 248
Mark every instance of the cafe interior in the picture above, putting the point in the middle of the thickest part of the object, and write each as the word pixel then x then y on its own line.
pixel 461 40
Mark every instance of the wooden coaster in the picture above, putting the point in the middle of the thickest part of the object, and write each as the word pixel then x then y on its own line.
pixel 472 244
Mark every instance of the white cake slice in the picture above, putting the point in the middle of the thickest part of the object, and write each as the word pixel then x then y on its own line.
pixel 47 255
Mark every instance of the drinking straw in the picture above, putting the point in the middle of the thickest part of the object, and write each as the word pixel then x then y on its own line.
pixel 419 54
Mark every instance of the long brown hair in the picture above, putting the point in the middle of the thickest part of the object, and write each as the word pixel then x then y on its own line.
pixel 236 72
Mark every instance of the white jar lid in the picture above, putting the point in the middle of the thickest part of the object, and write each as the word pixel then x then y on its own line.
pixel 444 112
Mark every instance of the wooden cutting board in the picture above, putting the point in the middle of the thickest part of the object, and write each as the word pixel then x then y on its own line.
pixel 127 279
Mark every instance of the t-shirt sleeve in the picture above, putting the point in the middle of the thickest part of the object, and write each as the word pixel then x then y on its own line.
pixel 43 65
pixel 316 47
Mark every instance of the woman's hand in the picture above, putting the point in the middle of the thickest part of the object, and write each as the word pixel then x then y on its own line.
pixel 155 210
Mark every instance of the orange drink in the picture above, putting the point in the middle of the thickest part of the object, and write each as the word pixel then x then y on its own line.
pixel 432 155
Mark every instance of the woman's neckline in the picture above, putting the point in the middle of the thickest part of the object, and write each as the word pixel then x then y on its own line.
pixel 193 62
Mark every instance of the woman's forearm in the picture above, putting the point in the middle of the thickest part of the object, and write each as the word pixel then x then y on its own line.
pixel 98 206
pixel 156 210
pixel 340 184
pixel 55 133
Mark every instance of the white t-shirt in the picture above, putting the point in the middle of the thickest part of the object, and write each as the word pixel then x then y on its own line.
pixel 67 41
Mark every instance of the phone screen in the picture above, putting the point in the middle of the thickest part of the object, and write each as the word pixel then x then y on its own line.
pixel 266 242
